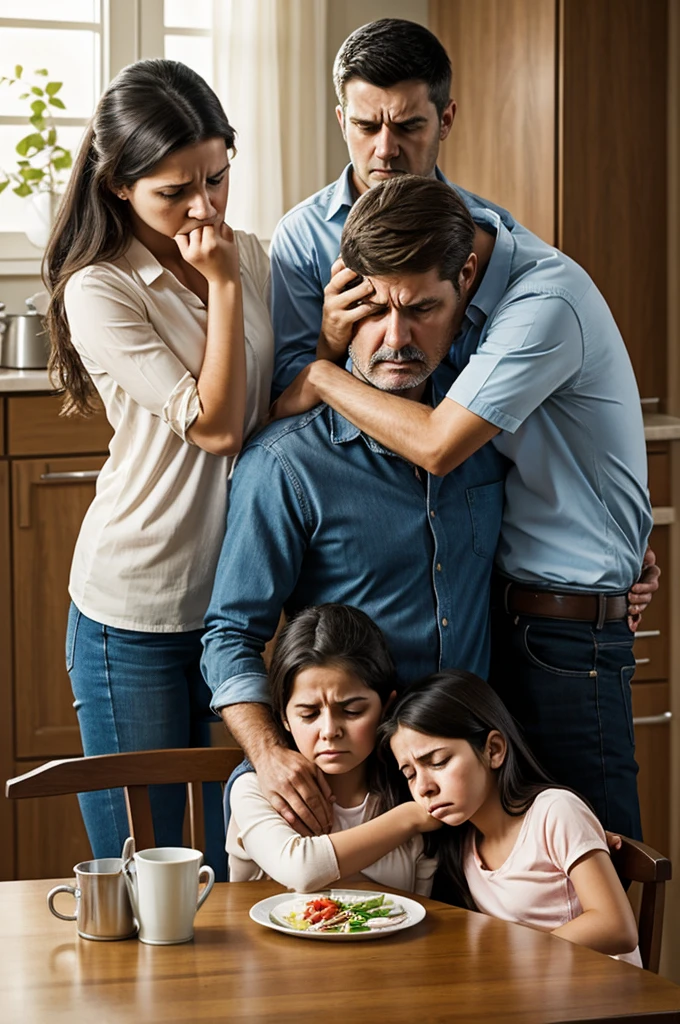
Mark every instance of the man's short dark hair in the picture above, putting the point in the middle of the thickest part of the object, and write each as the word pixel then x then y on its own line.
pixel 392 50
pixel 408 225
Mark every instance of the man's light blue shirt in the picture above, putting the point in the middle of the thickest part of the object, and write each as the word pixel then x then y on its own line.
pixel 541 358
pixel 304 247
pixel 319 512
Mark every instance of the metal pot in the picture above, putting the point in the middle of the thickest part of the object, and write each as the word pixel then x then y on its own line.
pixel 24 342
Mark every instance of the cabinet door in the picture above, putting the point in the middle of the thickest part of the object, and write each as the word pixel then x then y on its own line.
pixel 502 146
pixel 49 499
pixel 651 705
pixel 652 640
pixel 6 716
pixel 613 205
pixel 51 836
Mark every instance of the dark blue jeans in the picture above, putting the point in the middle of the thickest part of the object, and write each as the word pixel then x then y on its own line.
pixel 568 685
pixel 141 691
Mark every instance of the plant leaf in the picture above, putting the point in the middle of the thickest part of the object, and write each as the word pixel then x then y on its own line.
pixel 37 91
pixel 38 106
pixel 3 185
pixel 24 95
pixel 54 101
pixel 23 190
pixel 38 122
pixel 51 136
pixel 52 88
pixel 41 71
pixel 34 141
pixel 17 70
pixel 32 173
pixel 62 163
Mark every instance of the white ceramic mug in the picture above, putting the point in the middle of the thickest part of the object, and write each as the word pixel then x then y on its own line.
pixel 163 887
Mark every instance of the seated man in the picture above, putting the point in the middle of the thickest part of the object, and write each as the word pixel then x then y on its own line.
pixel 319 512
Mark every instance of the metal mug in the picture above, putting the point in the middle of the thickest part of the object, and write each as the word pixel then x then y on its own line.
pixel 103 910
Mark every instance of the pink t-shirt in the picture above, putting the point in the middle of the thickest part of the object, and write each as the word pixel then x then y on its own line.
pixel 533 886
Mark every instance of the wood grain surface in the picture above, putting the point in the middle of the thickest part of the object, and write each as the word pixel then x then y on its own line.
pixel 454 966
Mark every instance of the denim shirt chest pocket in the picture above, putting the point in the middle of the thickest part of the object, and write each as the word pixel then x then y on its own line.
pixel 485 502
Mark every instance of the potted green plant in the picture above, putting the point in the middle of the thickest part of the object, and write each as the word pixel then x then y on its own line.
pixel 42 161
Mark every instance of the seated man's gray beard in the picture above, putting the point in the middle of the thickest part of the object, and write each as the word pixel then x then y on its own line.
pixel 407 354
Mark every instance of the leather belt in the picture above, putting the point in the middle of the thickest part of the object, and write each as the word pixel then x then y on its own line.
pixel 517 599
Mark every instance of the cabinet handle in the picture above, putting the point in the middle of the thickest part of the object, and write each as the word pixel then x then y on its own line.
pixel 76 474
pixel 647 633
pixel 642 661
pixel 663 719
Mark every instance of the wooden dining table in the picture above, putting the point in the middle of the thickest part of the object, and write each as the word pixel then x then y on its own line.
pixel 452 966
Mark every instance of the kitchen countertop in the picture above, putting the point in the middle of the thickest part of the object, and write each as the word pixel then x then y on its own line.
pixel 658 426
pixel 12 381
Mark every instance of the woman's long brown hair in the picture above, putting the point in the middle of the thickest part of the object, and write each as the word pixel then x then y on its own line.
pixel 151 109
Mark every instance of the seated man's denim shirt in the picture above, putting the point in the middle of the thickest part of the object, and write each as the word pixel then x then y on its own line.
pixel 318 513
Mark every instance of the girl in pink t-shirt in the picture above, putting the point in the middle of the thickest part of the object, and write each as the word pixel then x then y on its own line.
pixel 517 847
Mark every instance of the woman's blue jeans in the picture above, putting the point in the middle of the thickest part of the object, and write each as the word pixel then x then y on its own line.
pixel 141 691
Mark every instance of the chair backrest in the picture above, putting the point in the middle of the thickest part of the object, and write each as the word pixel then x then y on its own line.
pixel 636 862
pixel 134 773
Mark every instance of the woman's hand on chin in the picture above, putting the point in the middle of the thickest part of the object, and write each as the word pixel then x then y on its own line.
pixel 212 250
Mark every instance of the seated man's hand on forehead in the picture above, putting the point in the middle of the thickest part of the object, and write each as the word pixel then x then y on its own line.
pixel 343 305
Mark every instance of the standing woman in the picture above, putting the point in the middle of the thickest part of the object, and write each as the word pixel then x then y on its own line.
pixel 161 309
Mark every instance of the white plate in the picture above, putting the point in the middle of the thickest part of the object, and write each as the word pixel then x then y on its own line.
pixel 270 913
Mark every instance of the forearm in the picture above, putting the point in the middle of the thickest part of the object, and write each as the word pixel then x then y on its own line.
pixel 596 930
pixel 402 426
pixel 222 381
pixel 356 848
pixel 253 728
pixel 436 439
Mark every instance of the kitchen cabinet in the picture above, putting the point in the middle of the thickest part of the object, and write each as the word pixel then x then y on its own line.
pixel 49 499
pixel 48 465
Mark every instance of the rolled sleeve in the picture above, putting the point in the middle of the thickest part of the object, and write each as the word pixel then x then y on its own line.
pixel 533 347
pixel 248 688
pixel 258 569
pixel 125 345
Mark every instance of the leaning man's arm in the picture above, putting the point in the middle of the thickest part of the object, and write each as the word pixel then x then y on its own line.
pixel 533 347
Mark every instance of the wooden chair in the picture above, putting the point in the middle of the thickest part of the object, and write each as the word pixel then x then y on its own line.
pixel 636 862
pixel 134 773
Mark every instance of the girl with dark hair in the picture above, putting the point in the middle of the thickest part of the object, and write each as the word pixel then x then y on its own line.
pixel 517 847
pixel 331 678
pixel 159 310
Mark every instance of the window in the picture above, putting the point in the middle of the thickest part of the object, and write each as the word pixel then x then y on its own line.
pixel 82 43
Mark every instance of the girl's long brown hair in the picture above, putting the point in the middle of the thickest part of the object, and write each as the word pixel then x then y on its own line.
pixel 151 109
pixel 459 705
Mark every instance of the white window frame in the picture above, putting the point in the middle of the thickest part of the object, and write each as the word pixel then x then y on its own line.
pixel 130 30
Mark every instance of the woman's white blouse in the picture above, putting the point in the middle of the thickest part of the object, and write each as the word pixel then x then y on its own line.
pixel 147 551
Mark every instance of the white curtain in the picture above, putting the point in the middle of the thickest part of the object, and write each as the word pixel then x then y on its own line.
pixel 271 75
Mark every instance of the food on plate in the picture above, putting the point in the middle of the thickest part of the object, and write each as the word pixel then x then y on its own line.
pixel 324 914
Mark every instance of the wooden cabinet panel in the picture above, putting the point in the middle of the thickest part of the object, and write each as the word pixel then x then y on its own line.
pixel 34 427
pixel 2 426
pixel 659 473
pixel 48 507
pixel 653 755
pixel 652 641
pixel 51 836
pixel 6 715
pixel 503 141
pixel 613 166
